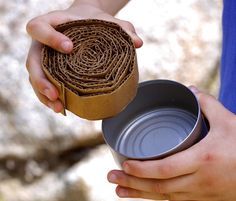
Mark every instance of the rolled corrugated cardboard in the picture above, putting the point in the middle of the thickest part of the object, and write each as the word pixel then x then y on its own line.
pixel 99 77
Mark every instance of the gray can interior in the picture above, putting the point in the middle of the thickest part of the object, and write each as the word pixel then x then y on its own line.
pixel 162 116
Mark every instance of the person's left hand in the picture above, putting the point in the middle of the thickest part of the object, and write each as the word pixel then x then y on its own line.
pixel 206 171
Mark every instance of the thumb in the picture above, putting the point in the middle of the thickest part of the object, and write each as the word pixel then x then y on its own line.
pixel 212 109
pixel 42 29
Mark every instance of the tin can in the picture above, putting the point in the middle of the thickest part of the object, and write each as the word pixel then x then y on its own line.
pixel 164 118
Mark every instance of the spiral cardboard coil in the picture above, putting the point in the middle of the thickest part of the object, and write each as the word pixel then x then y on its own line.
pixel 99 78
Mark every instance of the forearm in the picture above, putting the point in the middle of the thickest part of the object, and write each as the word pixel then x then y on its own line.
pixel 108 6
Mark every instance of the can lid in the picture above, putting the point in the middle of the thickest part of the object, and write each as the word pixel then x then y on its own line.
pixel 155 132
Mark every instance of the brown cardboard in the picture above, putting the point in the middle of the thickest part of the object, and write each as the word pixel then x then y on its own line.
pixel 100 76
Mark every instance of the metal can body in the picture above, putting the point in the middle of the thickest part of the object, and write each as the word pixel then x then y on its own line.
pixel 164 118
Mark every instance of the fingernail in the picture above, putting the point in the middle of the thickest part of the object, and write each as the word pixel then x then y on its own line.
pixel 122 192
pixel 51 105
pixel 66 46
pixel 138 42
pixel 112 178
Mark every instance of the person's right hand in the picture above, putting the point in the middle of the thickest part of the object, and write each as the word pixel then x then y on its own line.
pixel 42 31
pixel 203 172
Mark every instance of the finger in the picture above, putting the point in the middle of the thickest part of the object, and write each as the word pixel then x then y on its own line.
pixel 178 184
pixel 36 74
pixel 182 163
pixel 129 28
pixel 42 31
pixel 210 106
pixel 132 193
pixel 56 106
pixel 124 180
pixel 43 99
pixel 126 26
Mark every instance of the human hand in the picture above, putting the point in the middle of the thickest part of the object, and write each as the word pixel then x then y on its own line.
pixel 206 171
pixel 42 31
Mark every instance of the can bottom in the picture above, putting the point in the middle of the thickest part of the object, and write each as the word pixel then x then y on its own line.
pixel 155 132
